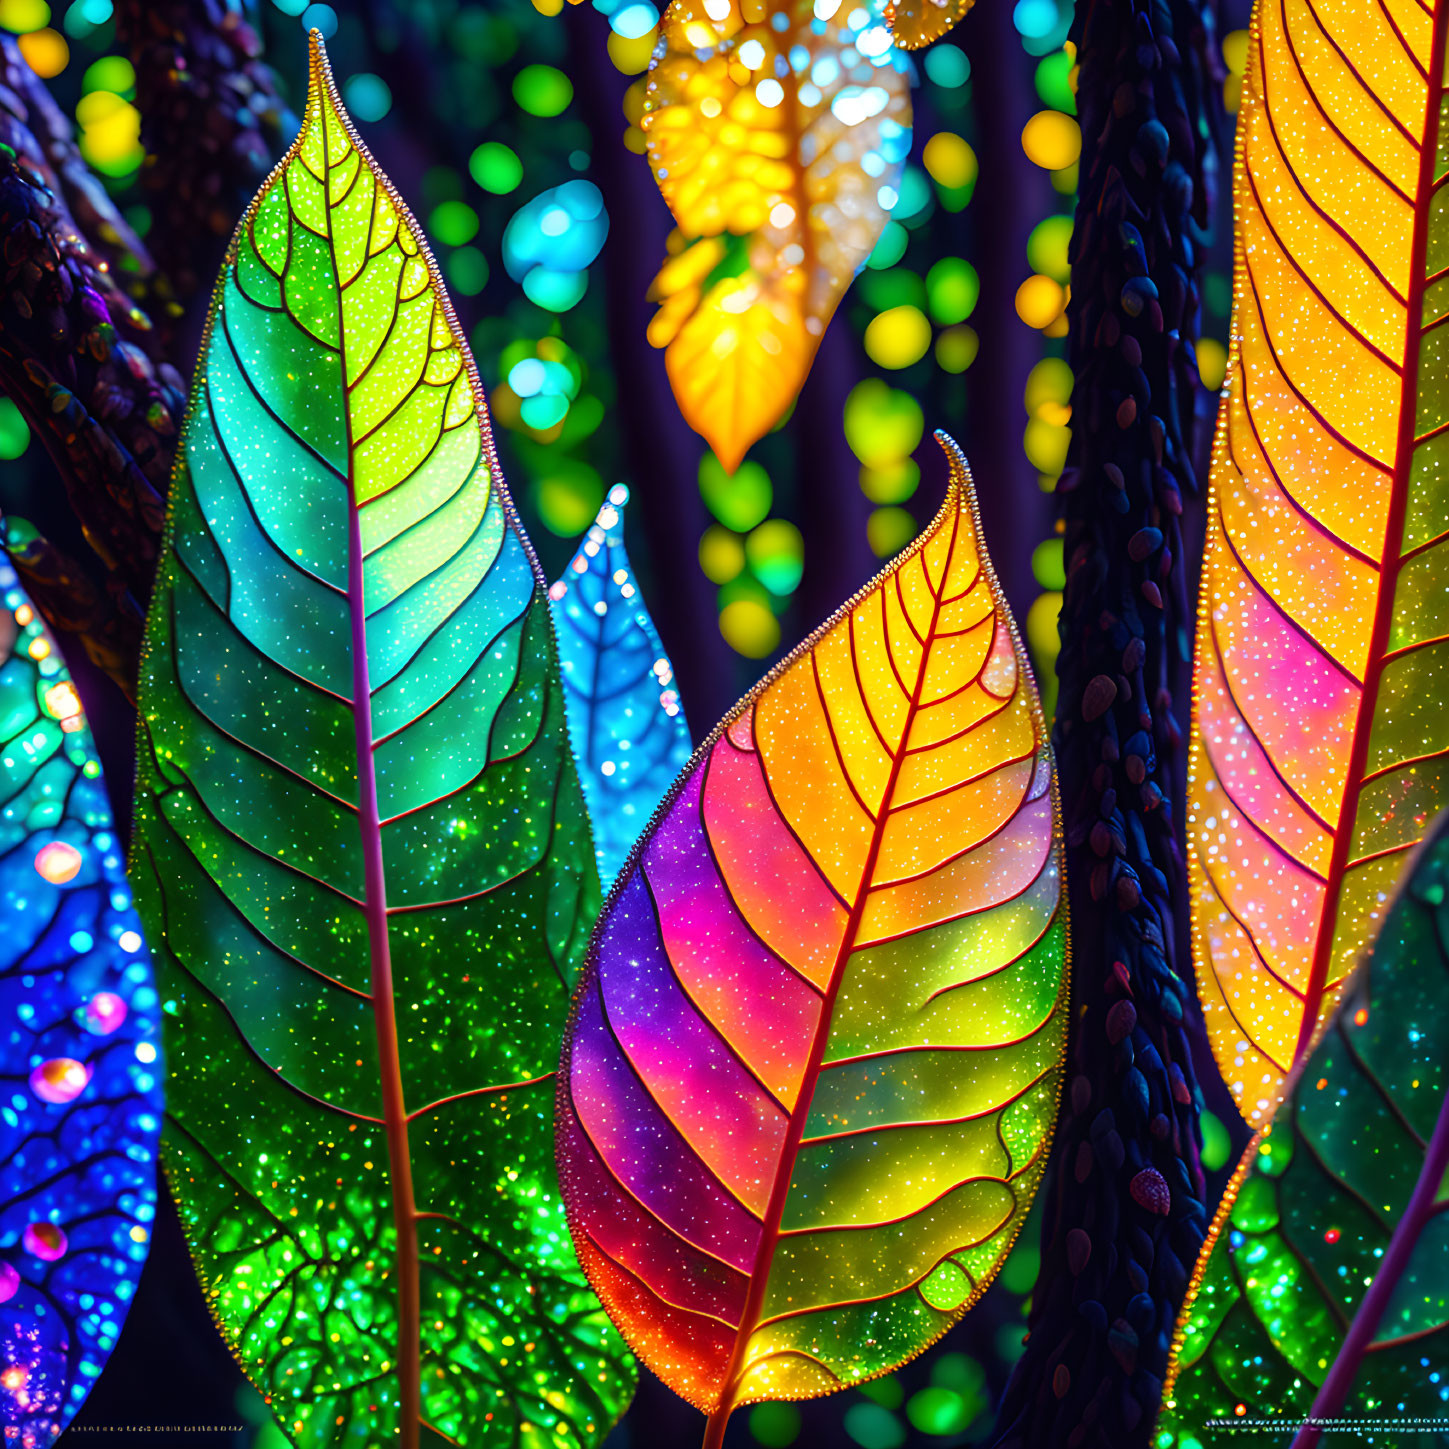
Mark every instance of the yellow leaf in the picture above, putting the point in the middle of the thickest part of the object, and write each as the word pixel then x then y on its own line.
pixel 1320 750
pixel 792 139
pixel 916 23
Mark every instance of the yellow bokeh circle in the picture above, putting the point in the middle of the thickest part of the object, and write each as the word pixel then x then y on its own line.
pixel 950 160
pixel 898 337
pixel 749 628
pixel 1052 140
pixel 1039 301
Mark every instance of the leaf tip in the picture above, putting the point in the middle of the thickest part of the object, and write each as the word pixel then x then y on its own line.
pixel 730 449
pixel 960 487
pixel 321 85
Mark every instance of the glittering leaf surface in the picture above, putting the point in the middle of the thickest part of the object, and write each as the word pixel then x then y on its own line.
pixel 1330 1252
pixel 813 1064
pixel 779 136
pixel 362 849
pixel 627 725
pixel 916 23
pixel 79 1054
pixel 1320 742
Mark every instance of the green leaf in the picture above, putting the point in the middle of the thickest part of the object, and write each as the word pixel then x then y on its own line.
pixel 1323 1287
pixel 369 918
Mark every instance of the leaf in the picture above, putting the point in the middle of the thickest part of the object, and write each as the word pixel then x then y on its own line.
pixel 1323 1286
pixel 82 1114
pixel 916 23
pixel 369 917
pixel 788 132
pixel 813 1064
pixel 1320 748
pixel 625 719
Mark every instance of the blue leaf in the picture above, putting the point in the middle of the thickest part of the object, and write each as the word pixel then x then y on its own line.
pixel 80 1064
pixel 626 722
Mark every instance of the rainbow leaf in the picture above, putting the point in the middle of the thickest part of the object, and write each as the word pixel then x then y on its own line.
pixel 778 138
pixel 79 1059
pixel 1323 1286
pixel 625 719
pixel 1320 745
pixel 813 1064
pixel 362 848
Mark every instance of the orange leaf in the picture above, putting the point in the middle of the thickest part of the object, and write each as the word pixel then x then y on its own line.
pixel 916 23
pixel 1320 746
pixel 792 139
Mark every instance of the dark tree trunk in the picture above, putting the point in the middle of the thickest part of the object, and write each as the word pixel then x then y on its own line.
pixel 1125 1214
pixel 83 363
pixel 1011 196
pixel 212 122
pixel 833 511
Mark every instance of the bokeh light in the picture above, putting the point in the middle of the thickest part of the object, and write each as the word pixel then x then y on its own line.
pixel 956 349
pixel 542 90
pixel 897 337
pixel 496 167
pixel 1052 140
pixel 749 628
pixel 14 431
pixel 947 65
pixel 367 96
pixel 1039 301
pixel 22 16
pixel 776 554
pixel 740 500
pixel 45 52
pixel 1212 362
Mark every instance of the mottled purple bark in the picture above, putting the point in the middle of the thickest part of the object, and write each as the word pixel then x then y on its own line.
pixel 212 122
pixel 82 362
pixel 1124 1205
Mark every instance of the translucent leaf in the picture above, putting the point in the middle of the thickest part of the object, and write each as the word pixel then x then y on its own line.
pixel 813 1065
pixel 362 842
pixel 1320 745
pixel 81 1117
pixel 1323 1286
pixel 916 23
pixel 625 718
pixel 786 131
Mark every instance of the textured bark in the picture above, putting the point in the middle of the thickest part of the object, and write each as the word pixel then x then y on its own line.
pixel 212 122
pixel 82 362
pixel 1124 1204
pixel 70 602
pixel 50 149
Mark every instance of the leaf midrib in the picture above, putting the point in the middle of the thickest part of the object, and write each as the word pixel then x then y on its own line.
pixel 799 1116
pixel 395 1115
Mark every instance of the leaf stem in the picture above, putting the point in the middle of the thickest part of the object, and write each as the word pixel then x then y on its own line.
pixel 714 1429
